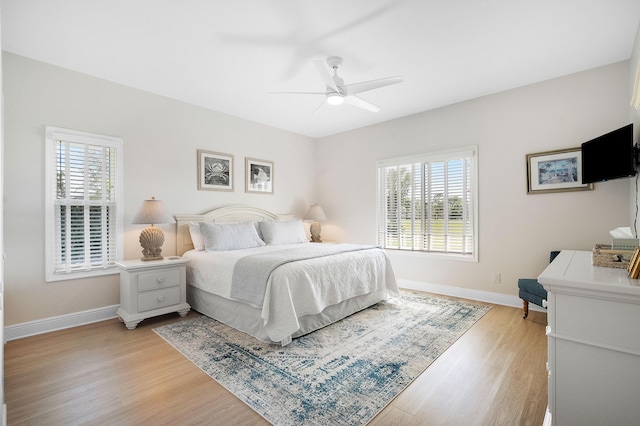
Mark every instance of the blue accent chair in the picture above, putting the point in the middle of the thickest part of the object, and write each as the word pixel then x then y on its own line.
pixel 531 291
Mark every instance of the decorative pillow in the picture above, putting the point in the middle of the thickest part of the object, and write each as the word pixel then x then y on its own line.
pixel 283 232
pixel 257 225
pixel 229 236
pixel 196 236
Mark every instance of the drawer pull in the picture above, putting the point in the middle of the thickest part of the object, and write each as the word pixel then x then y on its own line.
pixel 160 298
pixel 161 280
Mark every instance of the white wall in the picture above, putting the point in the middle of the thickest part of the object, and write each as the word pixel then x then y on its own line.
pixel 516 230
pixel 161 137
pixel 634 117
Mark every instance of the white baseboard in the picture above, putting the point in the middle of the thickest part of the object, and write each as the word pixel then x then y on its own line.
pixel 467 293
pixel 31 328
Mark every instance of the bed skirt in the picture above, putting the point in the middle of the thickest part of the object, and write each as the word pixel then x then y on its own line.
pixel 248 319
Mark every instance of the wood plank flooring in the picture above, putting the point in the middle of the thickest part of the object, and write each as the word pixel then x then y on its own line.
pixel 104 374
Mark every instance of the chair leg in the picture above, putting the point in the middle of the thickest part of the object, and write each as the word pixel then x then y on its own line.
pixel 525 307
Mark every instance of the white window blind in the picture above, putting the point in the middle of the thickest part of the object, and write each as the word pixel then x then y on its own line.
pixel 83 199
pixel 427 203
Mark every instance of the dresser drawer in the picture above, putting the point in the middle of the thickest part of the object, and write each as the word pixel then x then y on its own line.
pixel 158 299
pixel 598 321
pixel 155 280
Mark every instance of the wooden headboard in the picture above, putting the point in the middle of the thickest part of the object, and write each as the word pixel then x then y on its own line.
pixel 229 214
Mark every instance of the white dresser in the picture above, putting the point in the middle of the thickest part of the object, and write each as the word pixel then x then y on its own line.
pixel 594 342
pixel 152 288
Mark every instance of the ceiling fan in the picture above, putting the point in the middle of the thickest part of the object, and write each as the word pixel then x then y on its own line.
pixel 337 92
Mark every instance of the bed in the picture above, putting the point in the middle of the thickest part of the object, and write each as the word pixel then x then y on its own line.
pixel 279 286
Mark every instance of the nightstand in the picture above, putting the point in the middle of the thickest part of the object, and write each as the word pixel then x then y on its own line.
pixel 152 288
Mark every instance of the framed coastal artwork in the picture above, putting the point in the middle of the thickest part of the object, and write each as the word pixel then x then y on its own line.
pixel 555 171
pixel 258 176
pixel 215 171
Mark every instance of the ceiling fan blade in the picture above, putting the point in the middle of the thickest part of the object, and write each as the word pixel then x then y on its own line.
pixel 298 93
pixel 360 103
pixel 326 77
pixel 318 107
pixel 355 88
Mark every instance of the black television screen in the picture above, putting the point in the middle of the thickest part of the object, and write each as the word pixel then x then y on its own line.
pixel 610 156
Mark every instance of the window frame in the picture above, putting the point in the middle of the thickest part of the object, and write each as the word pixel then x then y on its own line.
pixel 53 134
pixel 468 151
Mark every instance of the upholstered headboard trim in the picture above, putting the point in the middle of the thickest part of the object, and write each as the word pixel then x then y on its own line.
pixel 228 214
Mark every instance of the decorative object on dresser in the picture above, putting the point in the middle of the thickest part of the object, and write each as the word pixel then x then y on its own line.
pixel 633 269
pixel 151 238
pixel 149 289
pixel 604 255
pixel 215 171
pixel 259 176
pixel 316 214
pixel 342 374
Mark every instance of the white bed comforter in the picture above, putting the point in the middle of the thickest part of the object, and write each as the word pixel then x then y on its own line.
pixel 298 288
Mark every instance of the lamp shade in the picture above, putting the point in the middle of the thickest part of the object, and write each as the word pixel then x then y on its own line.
pixel 153 211
pixel 315 213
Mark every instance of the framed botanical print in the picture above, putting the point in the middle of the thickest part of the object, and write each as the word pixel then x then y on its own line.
pixel 215 171
pixel 258 176
pixel 555 171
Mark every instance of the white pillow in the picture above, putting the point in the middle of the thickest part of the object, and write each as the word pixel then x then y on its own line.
pixel 196 236
pixel 257 225
pixel 283 232
pixel 229 236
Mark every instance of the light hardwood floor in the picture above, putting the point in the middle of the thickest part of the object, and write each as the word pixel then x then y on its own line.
pixel 104 374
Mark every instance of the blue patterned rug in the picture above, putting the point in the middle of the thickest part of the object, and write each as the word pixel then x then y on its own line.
pixel 343 374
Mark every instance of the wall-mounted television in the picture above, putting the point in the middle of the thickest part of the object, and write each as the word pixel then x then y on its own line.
pixel 610 156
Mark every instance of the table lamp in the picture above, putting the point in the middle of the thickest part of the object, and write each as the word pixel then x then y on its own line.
pixel 152 238
pixel 315 213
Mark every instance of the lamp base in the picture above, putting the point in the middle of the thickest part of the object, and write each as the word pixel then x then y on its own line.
pixel 315 232
pixel 151 240
pixel 145 259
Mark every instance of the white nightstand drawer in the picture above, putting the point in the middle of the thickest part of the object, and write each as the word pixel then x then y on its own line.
pixel 158 299
pixel 159 279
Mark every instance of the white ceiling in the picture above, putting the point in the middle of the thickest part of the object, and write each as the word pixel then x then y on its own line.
pixel 227 55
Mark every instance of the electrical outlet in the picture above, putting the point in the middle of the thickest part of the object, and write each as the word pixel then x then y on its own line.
pixel 495 277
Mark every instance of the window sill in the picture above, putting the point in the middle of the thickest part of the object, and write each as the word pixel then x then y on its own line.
pixel 430 255
pixel 51 277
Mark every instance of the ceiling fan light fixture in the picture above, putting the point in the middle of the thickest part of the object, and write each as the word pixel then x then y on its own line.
pixel 335 98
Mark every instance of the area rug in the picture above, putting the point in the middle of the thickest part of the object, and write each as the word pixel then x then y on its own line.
pixel 343 374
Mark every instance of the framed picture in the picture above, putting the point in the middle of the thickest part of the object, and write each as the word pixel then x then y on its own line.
pixel 555 171
pixel 633 269
pixel 215 171
pixel 258 176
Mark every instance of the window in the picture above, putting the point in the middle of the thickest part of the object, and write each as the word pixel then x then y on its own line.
pixel 83 204
pixel 427 203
